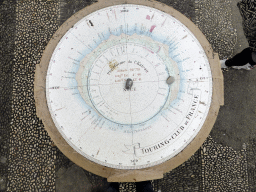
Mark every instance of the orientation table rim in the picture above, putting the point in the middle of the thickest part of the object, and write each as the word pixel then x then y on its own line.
pixel 122 175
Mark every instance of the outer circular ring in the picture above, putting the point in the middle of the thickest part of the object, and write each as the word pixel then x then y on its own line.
pixel 155 172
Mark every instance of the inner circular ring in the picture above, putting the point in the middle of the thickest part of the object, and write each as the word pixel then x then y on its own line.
pixel 113 101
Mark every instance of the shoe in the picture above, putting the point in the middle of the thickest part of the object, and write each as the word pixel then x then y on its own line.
pixel 245 67
pixel 222 64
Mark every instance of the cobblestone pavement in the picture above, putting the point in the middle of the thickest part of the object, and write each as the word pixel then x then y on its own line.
pixel 29 160
pixel 214 20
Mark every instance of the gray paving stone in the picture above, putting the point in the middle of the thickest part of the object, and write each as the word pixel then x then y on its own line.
pixel 3 183
pixel 72 179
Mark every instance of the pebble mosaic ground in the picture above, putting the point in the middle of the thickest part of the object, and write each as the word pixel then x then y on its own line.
pixel 29 160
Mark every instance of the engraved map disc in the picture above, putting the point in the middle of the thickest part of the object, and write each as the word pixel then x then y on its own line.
pixel 108 87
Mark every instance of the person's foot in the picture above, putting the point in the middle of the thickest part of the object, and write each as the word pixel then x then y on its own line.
pixel 222 64
pixel 245 67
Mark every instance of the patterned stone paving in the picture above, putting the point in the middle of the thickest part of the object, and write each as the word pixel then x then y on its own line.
pixel 186 177
pixel 69 7
pixel 29 161
pixel 7 31
pixel 213 17
pixel 32 154
pixel 223 169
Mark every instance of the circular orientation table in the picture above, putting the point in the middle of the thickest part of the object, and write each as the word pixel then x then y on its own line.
pixel 128 90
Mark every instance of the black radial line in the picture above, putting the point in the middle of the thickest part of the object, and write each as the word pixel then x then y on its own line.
pixel 122 83
pixel 126 39
pixel 128 77
pixel 79 40
pixel 125 28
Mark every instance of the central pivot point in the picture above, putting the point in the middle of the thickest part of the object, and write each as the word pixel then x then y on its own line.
pixel 128 84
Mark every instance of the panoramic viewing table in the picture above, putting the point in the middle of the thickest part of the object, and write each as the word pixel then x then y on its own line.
pixel 128 91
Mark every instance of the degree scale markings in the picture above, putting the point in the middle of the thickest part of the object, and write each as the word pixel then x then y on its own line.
pixel 146 23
